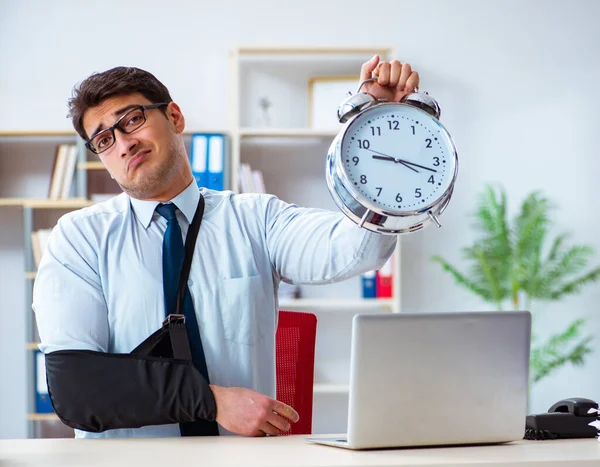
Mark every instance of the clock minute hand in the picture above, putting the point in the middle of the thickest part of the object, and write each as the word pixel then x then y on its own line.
pixel 421 166
pixel 393 159
pixel 401 161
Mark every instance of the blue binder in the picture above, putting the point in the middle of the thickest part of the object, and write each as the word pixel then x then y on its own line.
pixel 216 162
pixel 42 399
pixel 368 283
pixel 198 159
pixel 208 160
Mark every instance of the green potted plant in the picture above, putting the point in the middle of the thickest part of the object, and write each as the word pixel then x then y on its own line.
pixel 513 264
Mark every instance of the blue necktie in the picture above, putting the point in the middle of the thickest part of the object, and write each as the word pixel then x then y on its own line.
pixel 173 256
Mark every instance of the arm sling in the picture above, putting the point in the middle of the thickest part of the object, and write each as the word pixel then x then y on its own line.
pixel 155 384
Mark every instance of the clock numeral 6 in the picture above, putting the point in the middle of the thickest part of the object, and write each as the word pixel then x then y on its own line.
pixel 398 198
pixel 364 144
pixel 418 193
pixel 363 179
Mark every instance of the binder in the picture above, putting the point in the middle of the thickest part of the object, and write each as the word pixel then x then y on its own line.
pixel 216 162
pixel 198 159
pixel 369 286
pixel 208 159
pixel 42 399
pixel 384 278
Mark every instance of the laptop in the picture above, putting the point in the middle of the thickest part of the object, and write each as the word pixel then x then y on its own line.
pixel 427 379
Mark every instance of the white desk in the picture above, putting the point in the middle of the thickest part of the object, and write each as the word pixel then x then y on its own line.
pixel 283 451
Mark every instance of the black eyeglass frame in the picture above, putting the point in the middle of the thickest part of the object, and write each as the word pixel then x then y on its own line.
pixel 117 126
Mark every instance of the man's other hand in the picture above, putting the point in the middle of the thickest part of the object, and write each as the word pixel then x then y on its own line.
pixel 249 413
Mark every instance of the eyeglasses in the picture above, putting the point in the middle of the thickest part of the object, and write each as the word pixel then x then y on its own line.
pixel 128 123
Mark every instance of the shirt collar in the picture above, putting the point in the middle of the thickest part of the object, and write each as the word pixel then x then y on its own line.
pixel 186 201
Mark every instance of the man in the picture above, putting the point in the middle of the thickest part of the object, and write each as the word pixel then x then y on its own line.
pixel 102 286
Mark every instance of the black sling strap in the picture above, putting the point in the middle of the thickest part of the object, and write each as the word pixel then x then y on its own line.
pixel 172 339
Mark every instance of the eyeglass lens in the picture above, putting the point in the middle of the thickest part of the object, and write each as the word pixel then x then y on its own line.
pixel 130 122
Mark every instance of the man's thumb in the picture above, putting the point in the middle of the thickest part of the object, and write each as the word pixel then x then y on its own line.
pixel 369 67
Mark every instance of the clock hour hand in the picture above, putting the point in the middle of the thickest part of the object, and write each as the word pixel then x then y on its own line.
pixel 393 159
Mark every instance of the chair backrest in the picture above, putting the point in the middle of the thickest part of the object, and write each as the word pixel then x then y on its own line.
pixel 295 365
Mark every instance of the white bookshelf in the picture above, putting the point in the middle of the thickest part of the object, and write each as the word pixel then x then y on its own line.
pixel 340 305
pixel 331 388
pixel 291 156
pixel 285 133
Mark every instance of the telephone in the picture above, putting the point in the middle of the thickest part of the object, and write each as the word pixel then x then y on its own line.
pixel 567 418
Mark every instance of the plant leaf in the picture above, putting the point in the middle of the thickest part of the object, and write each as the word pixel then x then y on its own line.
pixel 461 279
pixel 559 350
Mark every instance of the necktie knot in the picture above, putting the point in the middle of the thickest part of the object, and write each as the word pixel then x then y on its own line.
pixel 167 211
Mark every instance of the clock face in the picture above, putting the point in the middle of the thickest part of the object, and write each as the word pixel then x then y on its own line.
pixel 398 157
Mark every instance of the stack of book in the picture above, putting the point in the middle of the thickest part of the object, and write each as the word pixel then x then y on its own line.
pixel 63 171
pixel 251 181
pixel 39 240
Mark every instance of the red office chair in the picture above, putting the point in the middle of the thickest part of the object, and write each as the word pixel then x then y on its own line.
pixel 295 365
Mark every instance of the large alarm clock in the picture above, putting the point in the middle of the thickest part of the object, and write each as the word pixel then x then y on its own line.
pixel 392 167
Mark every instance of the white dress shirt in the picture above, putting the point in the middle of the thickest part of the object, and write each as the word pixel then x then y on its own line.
pixel 99 285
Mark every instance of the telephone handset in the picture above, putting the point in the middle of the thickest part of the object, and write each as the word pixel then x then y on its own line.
pixel 567 418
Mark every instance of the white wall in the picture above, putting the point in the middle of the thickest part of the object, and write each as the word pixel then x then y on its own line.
pixel 517 81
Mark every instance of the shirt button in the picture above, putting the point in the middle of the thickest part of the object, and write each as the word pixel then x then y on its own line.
pixel 190 282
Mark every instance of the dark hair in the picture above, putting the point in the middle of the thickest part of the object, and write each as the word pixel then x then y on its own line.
pixel 114 82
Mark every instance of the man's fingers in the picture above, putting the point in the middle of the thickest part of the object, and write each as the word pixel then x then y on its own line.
pixel 395 71
pixel 368 67
pixel 383 74
pixel 404 75
pixel 286 411
pixel 269 429
pixel 279 422
pixel 412 82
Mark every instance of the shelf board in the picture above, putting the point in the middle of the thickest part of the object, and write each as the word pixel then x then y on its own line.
pixel 311 50
pixel 286 133
pixel 331 388
pixel 37 133
pixel 41 417
pixel 67 203
pixel 30 275
pixel 11 201
pixel 335 304
pixel 91 165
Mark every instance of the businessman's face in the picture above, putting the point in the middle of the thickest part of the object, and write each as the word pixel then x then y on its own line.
pixel 150 160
